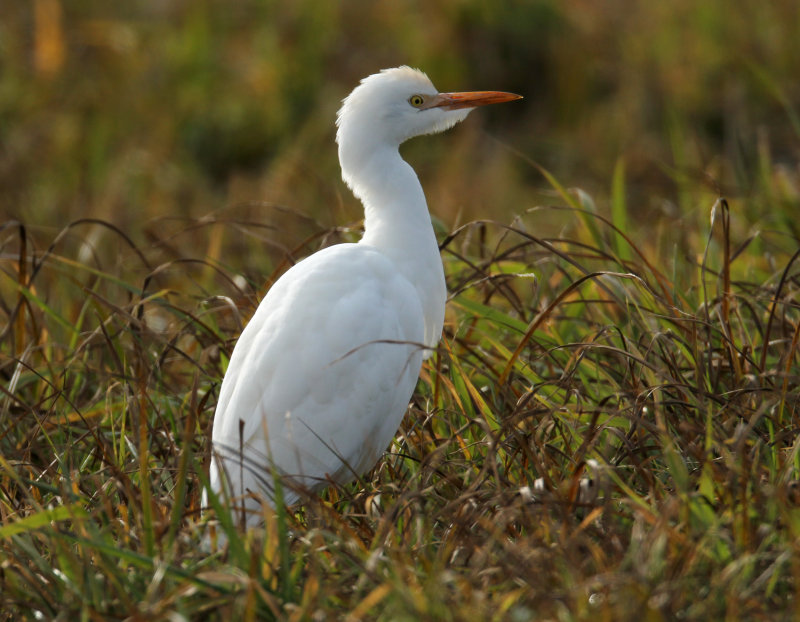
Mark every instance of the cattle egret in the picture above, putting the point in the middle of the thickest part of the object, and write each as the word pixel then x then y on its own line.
pixel 322 375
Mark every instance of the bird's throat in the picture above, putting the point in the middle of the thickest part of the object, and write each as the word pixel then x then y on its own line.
pixel 396 217
pixel 397 222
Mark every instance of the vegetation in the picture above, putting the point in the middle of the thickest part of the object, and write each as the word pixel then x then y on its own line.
pixel 609 427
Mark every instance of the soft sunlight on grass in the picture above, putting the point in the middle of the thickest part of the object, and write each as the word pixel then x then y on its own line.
pixel 609 427
pixel 561 362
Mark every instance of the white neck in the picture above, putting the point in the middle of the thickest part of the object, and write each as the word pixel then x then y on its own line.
pixel 397 222
pixel 396 216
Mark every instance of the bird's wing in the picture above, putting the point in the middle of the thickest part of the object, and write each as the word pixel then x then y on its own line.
pixel 322 374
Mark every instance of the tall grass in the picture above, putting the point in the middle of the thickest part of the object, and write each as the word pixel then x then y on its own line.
pixel 589 439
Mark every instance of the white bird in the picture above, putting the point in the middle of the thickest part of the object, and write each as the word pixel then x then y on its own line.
pixel 322 375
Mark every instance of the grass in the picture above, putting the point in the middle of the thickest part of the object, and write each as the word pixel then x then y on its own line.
pixel 609 427
pixel 561 362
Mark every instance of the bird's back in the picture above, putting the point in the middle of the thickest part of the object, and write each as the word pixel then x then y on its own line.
pixel 321 376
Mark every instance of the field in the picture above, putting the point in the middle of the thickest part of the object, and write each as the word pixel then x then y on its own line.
pixel 609 428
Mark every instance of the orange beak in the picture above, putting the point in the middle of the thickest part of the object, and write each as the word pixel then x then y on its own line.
pixel 470 99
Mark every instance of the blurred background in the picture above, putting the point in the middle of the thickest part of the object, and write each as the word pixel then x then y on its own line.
pixel 145 111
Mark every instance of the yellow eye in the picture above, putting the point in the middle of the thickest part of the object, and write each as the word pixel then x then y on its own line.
pixel 416 100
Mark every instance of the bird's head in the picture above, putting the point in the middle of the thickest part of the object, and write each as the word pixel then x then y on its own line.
pixel 397 104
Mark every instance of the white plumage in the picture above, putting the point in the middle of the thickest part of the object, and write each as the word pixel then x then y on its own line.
pixel 321 377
